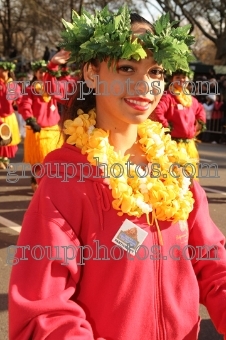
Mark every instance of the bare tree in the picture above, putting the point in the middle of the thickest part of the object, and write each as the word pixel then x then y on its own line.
pixel 209 16
pixel 10 15
pixel 30 25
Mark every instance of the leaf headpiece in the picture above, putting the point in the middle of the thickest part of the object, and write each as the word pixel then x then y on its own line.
pixel 109 35
pixel 37 65
pixel 189 73
pixel 7 66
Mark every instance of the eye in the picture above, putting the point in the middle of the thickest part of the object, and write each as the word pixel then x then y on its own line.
pixel 125 68
pixel 157 73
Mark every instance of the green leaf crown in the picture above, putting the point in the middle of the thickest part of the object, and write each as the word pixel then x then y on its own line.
pixel 109 35
pixel 38 64
pixel 7 66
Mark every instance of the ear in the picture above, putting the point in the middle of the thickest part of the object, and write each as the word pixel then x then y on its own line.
pixel 90 76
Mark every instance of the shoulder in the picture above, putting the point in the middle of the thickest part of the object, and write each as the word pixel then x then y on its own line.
pixel 194 100
pixel 167 98
pixel 200 207
pixel 67 153
pixel 28 91
pixel 59 189
pixel 63 168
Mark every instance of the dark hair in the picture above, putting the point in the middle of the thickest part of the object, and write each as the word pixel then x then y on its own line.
pixel 12 75
pixel 33 79
pixel 179 72
pixel 70 111
pixel 136 18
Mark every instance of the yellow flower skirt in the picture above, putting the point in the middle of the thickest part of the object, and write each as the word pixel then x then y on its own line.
pixel 38 145
pixel 11 120
pixel 193 154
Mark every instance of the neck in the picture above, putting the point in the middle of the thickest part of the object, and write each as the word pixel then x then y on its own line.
pixel 4 79
pixel 122 135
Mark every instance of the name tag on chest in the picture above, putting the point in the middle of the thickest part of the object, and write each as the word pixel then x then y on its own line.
pixel 129 237
pixel 180 107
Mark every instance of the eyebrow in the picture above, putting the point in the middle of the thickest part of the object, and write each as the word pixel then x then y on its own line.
pixel 137 61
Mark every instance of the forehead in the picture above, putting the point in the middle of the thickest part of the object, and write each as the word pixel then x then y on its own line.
pixel 180 75
pixel 140 28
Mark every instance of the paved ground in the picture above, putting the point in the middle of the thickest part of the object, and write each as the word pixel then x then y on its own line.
pixel 15 198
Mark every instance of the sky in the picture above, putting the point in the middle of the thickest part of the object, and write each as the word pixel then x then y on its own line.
pixel 152 12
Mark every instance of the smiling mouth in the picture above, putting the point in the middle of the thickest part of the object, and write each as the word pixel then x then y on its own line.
pixel 138 102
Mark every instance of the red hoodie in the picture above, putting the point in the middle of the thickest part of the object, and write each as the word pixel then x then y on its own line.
pixel 112 295
pixel 7 99
pixel 33 105
pixel 182 119
pixel 62 88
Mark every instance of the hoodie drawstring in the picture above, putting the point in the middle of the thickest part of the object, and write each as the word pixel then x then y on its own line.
pixel 103 201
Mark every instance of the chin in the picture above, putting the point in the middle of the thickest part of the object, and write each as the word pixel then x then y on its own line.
pixel 138 119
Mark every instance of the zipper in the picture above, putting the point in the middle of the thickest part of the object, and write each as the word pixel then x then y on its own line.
pixel 159 320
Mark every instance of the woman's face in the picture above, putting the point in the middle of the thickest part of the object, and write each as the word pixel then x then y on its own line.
pixel 128 93
pixel 40 74
pixel 180 80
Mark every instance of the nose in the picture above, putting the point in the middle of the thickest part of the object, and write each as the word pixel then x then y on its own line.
pixel 147 86
pixel 142 87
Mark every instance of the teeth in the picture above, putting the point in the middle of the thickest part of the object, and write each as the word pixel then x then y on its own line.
pixel 141 103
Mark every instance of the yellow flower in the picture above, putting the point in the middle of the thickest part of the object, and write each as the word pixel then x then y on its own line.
pixel 127 203
pixel 168 197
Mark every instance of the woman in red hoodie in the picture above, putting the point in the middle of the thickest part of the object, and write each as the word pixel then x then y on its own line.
pixel 39 110
pixel 183 115
pixel 117 242
pixel 7 114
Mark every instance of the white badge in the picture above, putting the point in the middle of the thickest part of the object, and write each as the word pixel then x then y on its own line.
pixel 129 237
pixel 183 225
pixel 52 107
pixel 180 107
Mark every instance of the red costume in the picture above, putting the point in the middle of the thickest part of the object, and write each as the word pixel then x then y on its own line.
pixel 8 116
pixel 100 291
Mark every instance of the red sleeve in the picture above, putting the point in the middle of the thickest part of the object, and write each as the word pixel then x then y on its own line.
pixel 199 111
pixel 13 92
pixel 161 112
pixel 25 104
pixel 63 88
pixel 41 302
pixel 210 266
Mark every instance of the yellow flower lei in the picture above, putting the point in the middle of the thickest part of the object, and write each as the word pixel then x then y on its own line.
pixel 40 89
pixel 183 98
pixel 167 197
pixel 7 81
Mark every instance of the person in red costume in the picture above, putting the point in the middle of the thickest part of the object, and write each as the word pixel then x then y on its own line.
pixel 183 115
pixel 110 249
pixel 39 110
pixel 61 81
pixel 7 114
pixel 217 119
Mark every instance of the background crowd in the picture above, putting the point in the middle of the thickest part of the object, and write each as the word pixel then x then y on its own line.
pixel 209 89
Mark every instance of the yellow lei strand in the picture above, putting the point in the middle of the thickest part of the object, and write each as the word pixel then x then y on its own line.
pixel 6 81
pixel 40 89
pixel 167 197
pixel 184 97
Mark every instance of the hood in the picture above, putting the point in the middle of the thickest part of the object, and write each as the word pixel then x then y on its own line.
pixel 67 163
